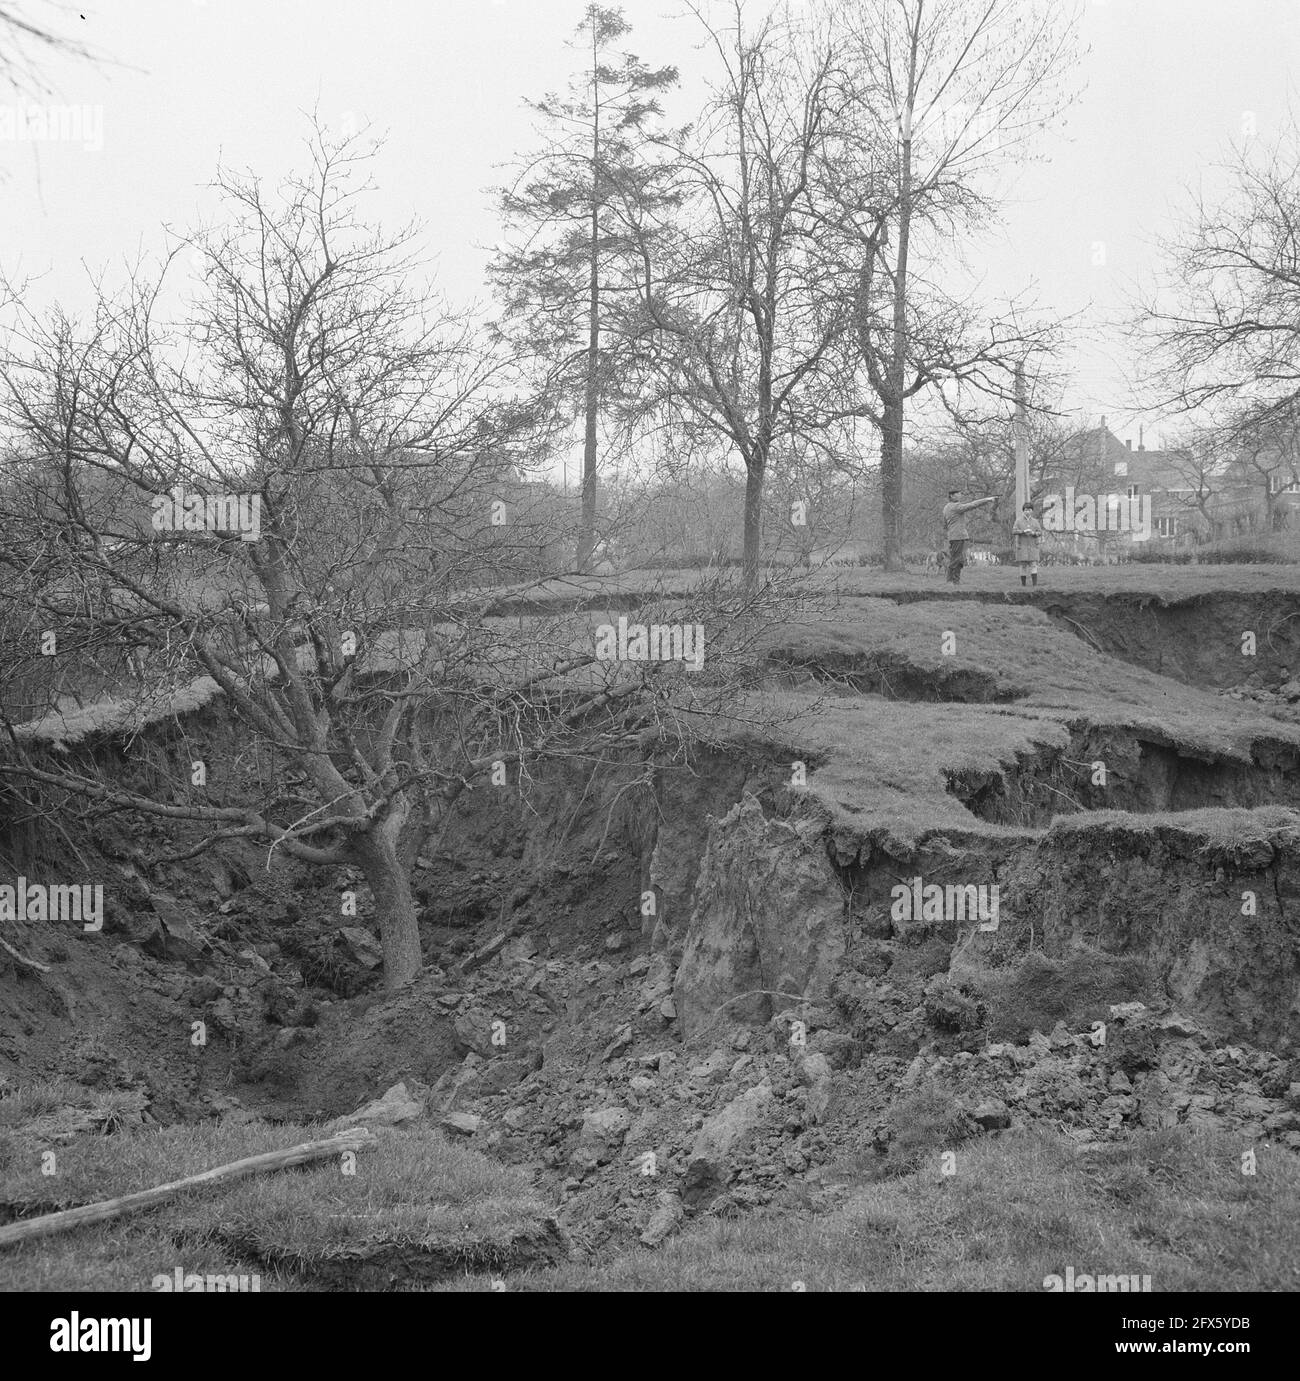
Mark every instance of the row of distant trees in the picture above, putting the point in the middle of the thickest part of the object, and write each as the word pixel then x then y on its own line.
pixel 772 282
pixel 1215 486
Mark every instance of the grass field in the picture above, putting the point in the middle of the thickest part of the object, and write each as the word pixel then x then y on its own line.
pixel 1015 1209
pixel 416 1203
pixel 978 581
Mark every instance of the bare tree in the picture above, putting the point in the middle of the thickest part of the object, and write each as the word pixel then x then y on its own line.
pixel 349 626
pixel 1201 468
pixel 1225 316
pixel 733 317
pixel 1264 444
pixel 978 453
pixel 940 91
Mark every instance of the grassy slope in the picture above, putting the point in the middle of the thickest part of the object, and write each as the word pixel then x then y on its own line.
pixel 988 633
pixel 414 1192
pixel 1169 583
pixel 1227 830
pixel 1026 655
pixel 1020 1207
pixel 882 764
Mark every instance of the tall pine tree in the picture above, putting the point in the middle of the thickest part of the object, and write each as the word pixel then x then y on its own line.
pixel 563 275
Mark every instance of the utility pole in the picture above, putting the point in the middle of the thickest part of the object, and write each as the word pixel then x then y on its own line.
pixel 1022 443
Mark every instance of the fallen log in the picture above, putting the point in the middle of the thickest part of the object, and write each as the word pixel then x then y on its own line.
pixel 23 959
pixel 354 1139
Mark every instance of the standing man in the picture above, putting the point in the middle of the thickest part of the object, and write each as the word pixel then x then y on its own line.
pixel 954 524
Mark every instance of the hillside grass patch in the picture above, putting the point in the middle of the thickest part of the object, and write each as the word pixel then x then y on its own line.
pixel 1021 1206
pixel 417 1203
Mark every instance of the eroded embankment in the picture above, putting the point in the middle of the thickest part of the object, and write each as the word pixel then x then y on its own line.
pixel 1210 899
pixel 714 964
pixel 898 675
pixel 1105 767
pixel 1128 798
pixel 1048 724
pixel 1198 638
pixel 1216 639
pixel 1207 903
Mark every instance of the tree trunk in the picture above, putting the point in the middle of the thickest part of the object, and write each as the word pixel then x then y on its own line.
pixel 399 929
pixel 586 537
pixel 891 441
pixel 754 475
pixel 587 531
pixel 891 485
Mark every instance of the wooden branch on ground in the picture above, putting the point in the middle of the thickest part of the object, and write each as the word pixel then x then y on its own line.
pixel 22 958
pixel 354 1139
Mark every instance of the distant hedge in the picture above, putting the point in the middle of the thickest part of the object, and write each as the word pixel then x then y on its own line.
pixel 1241 551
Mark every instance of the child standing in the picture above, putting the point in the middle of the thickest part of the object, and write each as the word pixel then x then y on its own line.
pixel 1025 537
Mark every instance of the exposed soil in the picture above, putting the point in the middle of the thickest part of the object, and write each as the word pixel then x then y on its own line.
pixel 1104 768
pixel 764 1035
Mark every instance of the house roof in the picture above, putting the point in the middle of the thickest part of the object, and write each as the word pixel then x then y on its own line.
pixel 1147 469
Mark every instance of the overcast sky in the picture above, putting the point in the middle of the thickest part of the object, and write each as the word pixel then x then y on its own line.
pixel 1167 85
